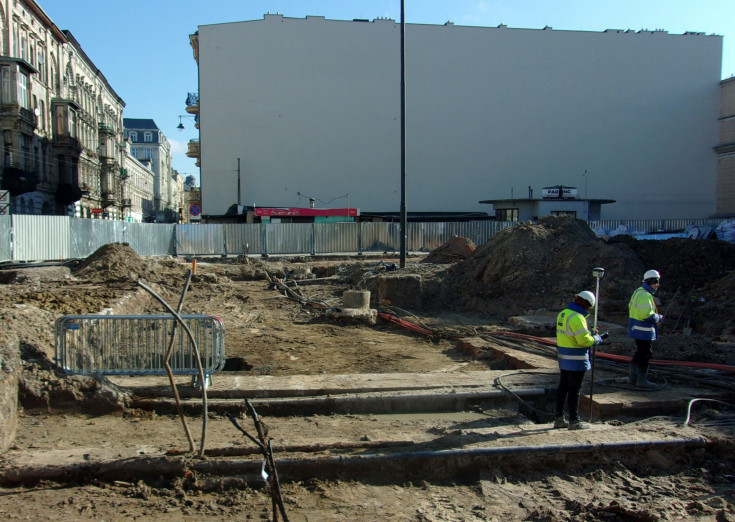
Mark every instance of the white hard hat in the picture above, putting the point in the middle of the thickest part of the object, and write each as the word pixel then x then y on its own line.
pixel 587 296
pixel 651 274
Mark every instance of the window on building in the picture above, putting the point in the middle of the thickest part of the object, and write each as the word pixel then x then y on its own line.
pixel 25 152
pixel 506 214
pixel 148 137
pixel 133 136
pixel 572 213
pixel 54 75
pixel 16 39
pixel 23 90
pixel 72 123
pixel 43 115
pixel 7 85
pixel 42 65
pixel 148 153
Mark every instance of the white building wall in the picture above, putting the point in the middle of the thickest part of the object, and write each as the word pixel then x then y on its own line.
pixel 312 106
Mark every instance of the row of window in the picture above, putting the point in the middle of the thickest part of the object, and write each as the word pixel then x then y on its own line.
pixel 142 153
pixel 147 136
pixel 511 214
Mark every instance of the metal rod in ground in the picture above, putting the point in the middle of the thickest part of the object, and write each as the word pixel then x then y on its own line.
pixel 272 473
pixel 233 420
pixel 170 373
pixel 197 356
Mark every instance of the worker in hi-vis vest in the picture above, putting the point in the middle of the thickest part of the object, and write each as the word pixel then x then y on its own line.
pixel 573 341
pixel 643 321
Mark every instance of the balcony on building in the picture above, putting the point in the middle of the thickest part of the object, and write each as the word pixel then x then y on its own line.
pixel 126 202
pixel 104 128
pixel 65 127
pixel 194 42
pixel 15 95
pixel 108 199
pixel 192 103
pixel 17 125
pixel 193 149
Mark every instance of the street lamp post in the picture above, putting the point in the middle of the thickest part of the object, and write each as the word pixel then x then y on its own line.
pixel 404 214
pixel 180 126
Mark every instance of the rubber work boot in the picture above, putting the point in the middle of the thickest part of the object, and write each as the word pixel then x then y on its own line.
pixel 642 377
pixel 559 422
pixel 577 424
pixel 633 375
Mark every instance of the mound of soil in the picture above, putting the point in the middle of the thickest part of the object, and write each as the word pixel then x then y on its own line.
pixel 697 282
pixel 453 250
pixel 541 265
pixel 114 262
pixel 684 263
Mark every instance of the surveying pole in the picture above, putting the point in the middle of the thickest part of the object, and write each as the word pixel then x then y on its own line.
pixel 598 273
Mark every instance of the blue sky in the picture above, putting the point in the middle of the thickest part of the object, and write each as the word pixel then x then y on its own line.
pixel 142 47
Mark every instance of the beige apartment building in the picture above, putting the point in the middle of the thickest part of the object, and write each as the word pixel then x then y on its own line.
pixel 149 144
pixel 140 182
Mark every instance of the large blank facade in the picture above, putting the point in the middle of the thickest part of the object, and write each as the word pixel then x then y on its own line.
pixel 311 108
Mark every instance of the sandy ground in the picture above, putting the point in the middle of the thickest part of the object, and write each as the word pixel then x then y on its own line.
pixel 66 421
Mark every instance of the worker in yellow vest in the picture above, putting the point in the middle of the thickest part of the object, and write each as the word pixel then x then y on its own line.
pixel 643 322
pixel 573 340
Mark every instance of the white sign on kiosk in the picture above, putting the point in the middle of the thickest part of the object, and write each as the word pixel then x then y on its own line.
pixel 559 192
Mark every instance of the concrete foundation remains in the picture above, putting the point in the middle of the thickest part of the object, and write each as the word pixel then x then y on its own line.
pixel 355 308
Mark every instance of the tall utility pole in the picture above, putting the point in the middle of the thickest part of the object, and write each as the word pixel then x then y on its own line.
pixel 238 184
pixel 404 214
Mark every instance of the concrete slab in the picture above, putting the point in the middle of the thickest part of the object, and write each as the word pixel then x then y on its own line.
pixel 519 370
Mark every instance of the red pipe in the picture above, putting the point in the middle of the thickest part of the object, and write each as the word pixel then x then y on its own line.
pixel 552 342
pixel 406 324
pixel 625 358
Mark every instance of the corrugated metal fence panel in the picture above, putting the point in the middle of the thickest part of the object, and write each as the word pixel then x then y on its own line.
pixel 151 239
pixel 652 226
pixel 40 238
pixel 288 238
pixel 241 236
pixel 425 237
pixel 336 237
pixel 88 235
pixel 252 236
pixel 6 237
pixel 200 239
pixel 380 237
pixel 43 238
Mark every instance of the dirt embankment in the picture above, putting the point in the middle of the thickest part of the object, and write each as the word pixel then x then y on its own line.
pixel 532 266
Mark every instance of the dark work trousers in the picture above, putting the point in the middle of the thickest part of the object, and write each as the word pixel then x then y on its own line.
pixel 568 391
pixel 643 352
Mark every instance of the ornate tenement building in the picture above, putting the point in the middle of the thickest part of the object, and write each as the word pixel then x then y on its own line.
pixel 62 145
pixel 89 111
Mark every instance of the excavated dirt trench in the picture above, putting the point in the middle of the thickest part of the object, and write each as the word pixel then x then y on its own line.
pixel 376 422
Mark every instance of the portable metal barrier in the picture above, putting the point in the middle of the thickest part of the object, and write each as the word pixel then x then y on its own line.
pixel 137 345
